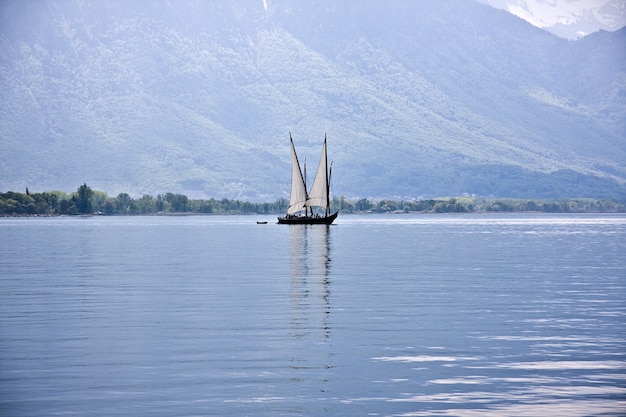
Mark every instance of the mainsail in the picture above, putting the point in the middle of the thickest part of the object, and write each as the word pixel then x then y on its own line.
pixel 318 196
pixel 298 197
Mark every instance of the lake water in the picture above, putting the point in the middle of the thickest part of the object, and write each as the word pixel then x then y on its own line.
pixel 391 315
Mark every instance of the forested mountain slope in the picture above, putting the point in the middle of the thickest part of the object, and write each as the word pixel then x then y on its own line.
pixel 425 98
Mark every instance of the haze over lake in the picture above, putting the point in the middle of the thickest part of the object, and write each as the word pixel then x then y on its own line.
pixel 390 315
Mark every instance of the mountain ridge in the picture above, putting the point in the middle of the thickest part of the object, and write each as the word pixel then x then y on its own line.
pixel 146 97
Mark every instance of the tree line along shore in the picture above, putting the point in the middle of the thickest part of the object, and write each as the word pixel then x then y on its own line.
pixel 85 201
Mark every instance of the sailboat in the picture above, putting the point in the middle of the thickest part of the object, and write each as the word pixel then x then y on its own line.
pixel 304 206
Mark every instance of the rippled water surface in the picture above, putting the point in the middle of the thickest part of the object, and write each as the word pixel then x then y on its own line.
pixel 399 315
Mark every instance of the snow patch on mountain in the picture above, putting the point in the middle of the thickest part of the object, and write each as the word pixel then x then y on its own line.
pixel 569 19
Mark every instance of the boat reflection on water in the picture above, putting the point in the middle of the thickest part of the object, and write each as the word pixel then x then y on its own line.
pixel 310 300
pixel 310 279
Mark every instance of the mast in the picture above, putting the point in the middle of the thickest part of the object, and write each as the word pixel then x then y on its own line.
pixel 319 194
pixel 327 178
pixel 307 209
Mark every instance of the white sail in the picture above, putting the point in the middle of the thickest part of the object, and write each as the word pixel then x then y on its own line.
pixel 318 196
pixel 298 188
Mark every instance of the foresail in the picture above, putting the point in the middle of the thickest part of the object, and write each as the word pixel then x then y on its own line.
pixel 318 196
pixel 298 196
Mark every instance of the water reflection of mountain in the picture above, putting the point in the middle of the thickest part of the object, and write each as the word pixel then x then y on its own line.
pixel 310 280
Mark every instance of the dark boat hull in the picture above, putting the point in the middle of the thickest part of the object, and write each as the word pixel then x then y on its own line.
pixel 308 220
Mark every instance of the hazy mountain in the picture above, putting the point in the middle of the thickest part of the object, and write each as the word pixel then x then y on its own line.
pixel 570 19
pixel 425 98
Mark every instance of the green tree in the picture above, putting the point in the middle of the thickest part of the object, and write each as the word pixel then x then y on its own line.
pixel 124 203
pixel 161 203
pixel 47 203
pixel 98 199
pixel 178 202
pixel 146 204
pixel 363 205
pixel 83 199
pixel 110 206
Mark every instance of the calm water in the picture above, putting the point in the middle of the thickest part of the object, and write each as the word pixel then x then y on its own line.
pixel 399 315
